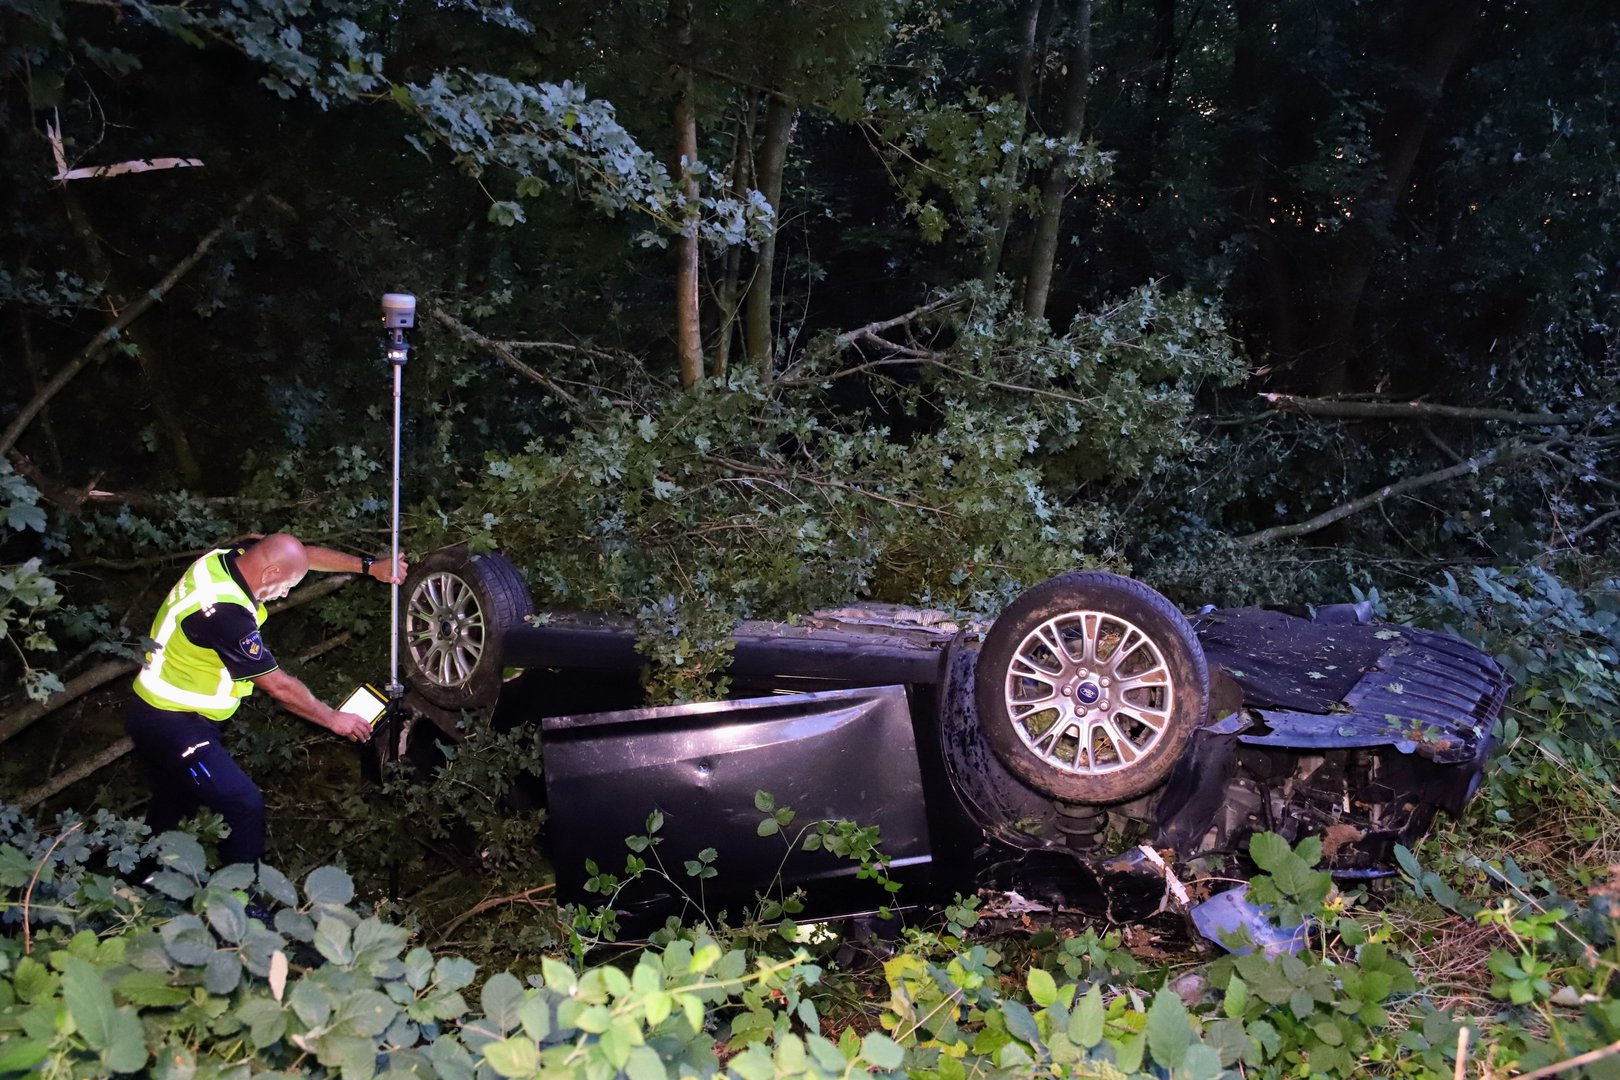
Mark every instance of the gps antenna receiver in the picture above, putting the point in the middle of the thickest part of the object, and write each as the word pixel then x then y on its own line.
pixel 398 315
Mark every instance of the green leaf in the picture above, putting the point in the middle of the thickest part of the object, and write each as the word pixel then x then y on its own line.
pixel 332 941
pixel 1237 997
pixel 1169 1029
pixel 150 988
pixel 645 1064
pixel 296 925
pixel 1268 850
pixel 329 885
pixel 274 884
pixel 1020 1024
pixel 557 975
pixel 501 999
pixel 1086 1022
pixel 514 1057
pixel 764 802
pixel 310 1002
pixel 266 1022
pixel 187 941
pixel 1266 1037
pixel 126 1050
pixel 16 869
pixel 1200 1063
pixel 88 1001
pixel 181 853
pixel 33 981
pixel 173 885
pixel 223 972
pixel 21 1055
pixel 227 916
pixel 535 1016
pixel 1042 987
pixel 882 1051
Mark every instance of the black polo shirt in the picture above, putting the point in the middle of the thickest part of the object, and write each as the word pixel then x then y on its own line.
pixel 231 631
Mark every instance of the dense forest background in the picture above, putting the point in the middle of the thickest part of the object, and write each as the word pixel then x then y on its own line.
pixel 738 309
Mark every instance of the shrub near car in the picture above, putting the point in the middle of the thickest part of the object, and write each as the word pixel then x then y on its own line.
pixel 1088 745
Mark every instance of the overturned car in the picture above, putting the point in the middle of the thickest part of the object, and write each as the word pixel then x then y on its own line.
pixel 1081 751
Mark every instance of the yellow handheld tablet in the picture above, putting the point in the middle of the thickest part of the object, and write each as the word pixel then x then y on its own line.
pixel 367 702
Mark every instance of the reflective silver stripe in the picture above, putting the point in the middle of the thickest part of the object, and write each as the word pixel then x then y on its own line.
pixel 191 699
pixel 204 593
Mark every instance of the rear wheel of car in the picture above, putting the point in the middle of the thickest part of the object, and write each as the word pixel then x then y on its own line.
pixel 457 610
pixel 1088 687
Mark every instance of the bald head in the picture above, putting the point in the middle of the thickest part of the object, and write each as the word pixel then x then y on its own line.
pixel 274 565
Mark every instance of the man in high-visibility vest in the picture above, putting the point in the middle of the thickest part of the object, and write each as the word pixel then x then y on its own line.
pixel 208 656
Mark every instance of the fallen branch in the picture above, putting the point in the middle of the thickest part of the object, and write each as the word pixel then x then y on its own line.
pixel 102 674
pixel 524 897
pixel 504 354
pixel 74 497
pixel 98 676
pixel 28 896
pixel 110 332
pixel 767 471
pixel 849 337
pixel 1412 483
pixel 1591 527
pixel 1411 410
pixel 1575 1062
pixel 68 777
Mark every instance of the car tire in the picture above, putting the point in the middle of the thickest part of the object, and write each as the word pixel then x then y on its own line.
pixel 1088 687
pixel 456 610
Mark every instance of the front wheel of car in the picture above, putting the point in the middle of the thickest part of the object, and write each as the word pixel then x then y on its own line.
pixel 1088 687
pixel 457 610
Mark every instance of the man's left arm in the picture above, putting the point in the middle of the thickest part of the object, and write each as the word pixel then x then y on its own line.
pixel 328 561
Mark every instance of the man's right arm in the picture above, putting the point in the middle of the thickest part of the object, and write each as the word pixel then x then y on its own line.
pixel 297 699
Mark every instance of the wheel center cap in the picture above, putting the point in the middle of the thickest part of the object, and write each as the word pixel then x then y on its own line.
pixel 1087 693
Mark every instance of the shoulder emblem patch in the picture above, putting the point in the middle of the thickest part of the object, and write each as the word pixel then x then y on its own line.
pixel 252 646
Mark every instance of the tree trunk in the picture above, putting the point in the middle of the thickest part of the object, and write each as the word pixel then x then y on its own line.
pixel 1405 126
pixel 1024 87
pixel 1055 188
pixel 1250 89
pixel 730 291
pixel 25 341
pixel 688 325
pixel 1164 58
pixel 110 332
pixel 772 159
pixel 146 352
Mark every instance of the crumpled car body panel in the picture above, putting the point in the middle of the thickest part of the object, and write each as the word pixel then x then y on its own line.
pixel 1359 732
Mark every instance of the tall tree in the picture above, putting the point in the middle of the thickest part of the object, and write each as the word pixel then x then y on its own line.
pixel 1059 178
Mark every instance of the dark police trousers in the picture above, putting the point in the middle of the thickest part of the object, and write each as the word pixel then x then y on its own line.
pixel 187 768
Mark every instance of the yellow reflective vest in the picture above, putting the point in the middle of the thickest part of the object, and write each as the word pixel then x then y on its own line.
pixel 183 677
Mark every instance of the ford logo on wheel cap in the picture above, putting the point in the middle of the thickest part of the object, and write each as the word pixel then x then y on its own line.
pixel 1087 693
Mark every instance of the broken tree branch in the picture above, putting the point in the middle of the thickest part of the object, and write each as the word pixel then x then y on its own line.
pixel 68 777
pixel 110 332
pixel 504 354
pixel 1410 410
pixel 524 897
pixel 102 674
pixel 1474 464
pixel 98 676
pixel 849 337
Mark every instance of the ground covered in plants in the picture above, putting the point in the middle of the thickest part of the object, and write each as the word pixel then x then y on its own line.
pixel 741 310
